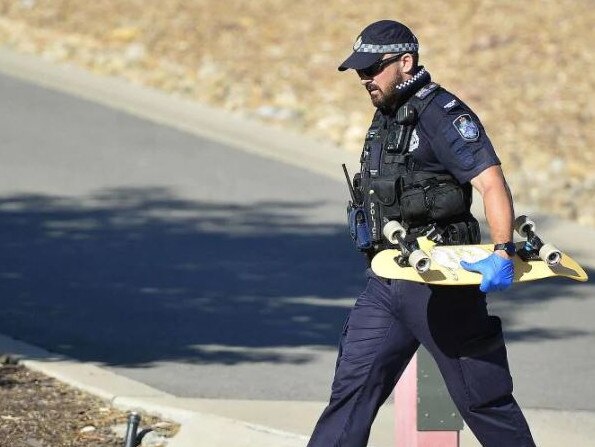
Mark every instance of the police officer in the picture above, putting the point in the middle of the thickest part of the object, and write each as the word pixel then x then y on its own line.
pixel 422 155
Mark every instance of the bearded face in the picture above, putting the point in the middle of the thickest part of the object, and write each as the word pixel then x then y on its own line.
pixel 382 89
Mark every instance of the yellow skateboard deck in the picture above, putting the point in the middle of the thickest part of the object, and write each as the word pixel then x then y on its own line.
pixel 445 266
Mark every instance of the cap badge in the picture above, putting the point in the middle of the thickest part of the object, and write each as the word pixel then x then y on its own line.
pixel 358 43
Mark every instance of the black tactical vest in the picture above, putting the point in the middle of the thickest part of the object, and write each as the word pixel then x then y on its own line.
pixel 392 187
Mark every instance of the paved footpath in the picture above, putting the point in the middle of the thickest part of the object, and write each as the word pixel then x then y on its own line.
pixel 155 239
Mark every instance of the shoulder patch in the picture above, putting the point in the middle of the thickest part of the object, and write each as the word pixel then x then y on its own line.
pixel 466 127
pixel 426 90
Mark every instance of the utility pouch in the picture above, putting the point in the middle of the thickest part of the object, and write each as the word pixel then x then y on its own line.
pixel 427 197
pixel 385 194
pixel 444 201
pixel 413 207
pixel 462 233
pixel 358 228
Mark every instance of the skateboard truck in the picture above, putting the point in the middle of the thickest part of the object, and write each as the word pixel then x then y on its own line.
pixel 534 248
pixel 411 254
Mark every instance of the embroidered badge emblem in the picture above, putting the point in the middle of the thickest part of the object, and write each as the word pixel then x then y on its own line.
pixel 414 142
pixel 358 43
pixel 466 127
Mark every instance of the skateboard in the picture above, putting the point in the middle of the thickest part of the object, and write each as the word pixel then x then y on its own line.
pixel 422 260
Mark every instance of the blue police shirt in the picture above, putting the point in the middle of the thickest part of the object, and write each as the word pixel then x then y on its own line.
pixel 450 138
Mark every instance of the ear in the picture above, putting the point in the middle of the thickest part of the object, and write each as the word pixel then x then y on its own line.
pixel 408 63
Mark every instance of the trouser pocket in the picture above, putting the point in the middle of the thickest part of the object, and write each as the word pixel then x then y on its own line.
pixel 484 366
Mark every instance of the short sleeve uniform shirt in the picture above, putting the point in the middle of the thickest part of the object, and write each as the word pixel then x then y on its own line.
pixel 450 138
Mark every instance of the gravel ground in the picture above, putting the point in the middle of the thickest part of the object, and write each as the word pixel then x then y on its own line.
pixel 38 411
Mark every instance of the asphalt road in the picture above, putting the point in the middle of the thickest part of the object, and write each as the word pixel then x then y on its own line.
pixel 206 271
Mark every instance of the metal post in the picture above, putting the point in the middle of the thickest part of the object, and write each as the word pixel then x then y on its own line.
pixel 424 413
pixel 131 430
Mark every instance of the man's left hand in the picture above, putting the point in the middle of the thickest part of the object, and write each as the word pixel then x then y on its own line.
pixel 497 272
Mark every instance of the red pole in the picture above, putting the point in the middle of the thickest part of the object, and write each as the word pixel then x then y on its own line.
pixel 406 433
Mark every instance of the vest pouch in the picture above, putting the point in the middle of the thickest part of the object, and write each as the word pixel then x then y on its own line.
pixel 462 233
pixel 445 201
pixel 385 193
pixel 413 206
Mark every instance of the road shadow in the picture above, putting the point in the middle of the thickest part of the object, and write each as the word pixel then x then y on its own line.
pixel 133 276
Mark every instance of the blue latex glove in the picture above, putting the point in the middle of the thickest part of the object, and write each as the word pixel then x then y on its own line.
pixel 497 272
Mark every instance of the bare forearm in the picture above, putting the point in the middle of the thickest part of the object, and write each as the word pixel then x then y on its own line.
pixel 499 212
pixel 497 203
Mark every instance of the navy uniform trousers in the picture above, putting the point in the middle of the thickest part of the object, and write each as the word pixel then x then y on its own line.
pixel 384 329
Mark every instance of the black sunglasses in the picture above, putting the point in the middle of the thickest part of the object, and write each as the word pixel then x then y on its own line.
pixel 377 67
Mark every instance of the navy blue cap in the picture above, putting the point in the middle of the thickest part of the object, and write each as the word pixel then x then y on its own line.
pixel 378 39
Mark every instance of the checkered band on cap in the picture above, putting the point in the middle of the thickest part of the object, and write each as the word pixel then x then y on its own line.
pixel 393 48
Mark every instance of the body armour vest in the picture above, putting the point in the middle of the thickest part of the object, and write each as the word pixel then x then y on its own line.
pixel 391 187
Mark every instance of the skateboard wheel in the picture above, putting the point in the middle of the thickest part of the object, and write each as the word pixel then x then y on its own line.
pixel 392 229
pixel 550 255
pixel 420 261
pixel 523 224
